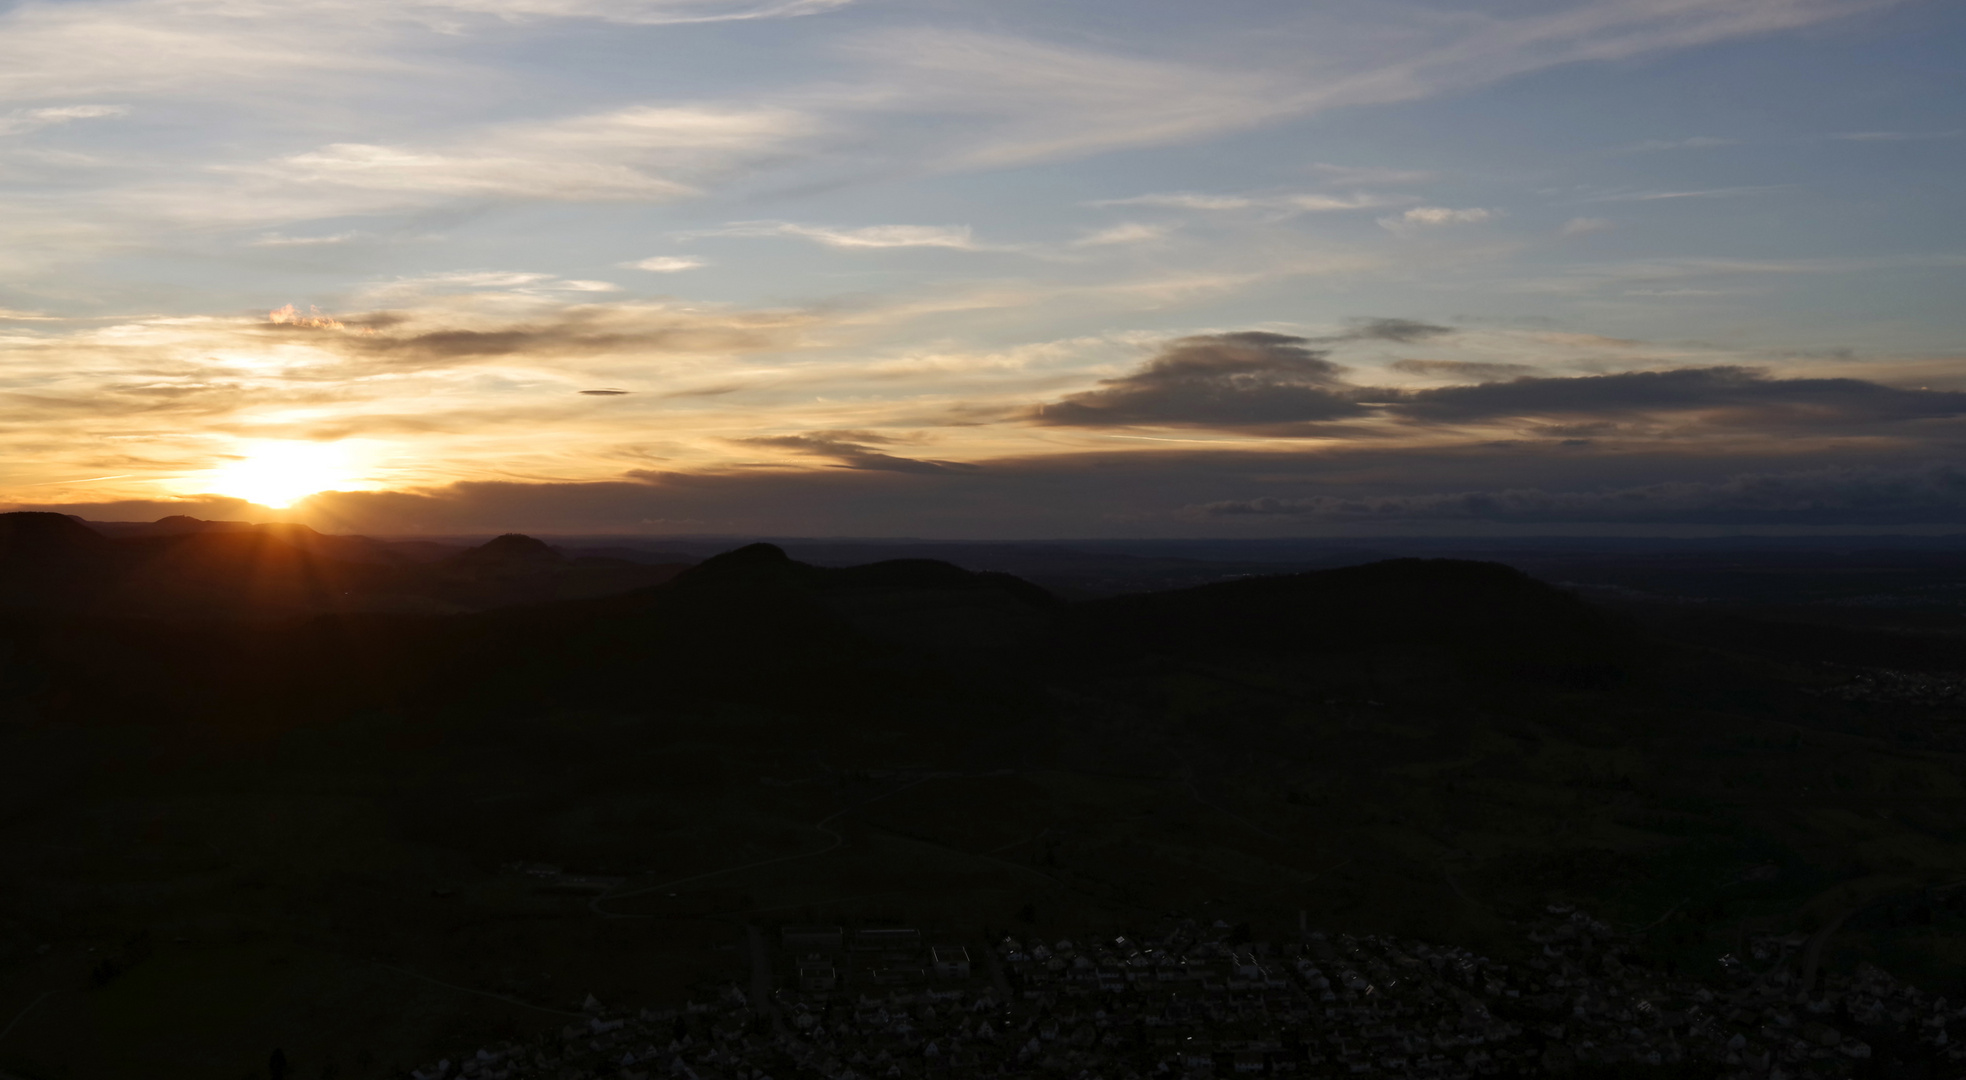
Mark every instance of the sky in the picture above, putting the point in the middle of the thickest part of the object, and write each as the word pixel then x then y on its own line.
pixel 1016 269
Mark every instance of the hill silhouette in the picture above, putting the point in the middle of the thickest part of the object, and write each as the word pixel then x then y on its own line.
pixel 753 625
pixel 1495 621
pixel 512 554
pixel 181 567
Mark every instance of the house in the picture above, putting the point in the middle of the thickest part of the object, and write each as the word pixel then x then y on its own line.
pixel 951 961
pixel 895 939
pixel 812 938
pixel 817 975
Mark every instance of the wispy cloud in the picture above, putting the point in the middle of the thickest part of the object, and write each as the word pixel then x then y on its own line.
pixel 643 12
pixel 1690 193
pixel 281 240
pixel 955 237
pixel 1895 136
pixel 465 279
pixel 21 121
pixel 1128 232
pixel 1040 100
pixel 665 264
pixel 1372 176
pixel 1696 142
pixel 1464 370
pixel 251 55
pixel 850 450
pixel 1183 200
pixel 510 282
pixel 1430 217
pixel 990 100
pixel 1305 202
pixel 1583 226
pixel 640 153
pixel 94 47
pixel 1677 277
pixel 1049 101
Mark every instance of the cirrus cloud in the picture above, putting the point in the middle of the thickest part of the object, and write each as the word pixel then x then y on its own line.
pixel 865 237
pixel 1428 217
pixel 665 264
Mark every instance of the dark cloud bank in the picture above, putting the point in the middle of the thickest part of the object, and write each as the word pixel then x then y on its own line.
pixel 1832 496
pixel 1280 385
pixel 399 338
pixel 1250 379
pixel 849 450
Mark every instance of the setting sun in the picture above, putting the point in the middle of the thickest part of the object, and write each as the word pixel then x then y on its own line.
pixel 279 474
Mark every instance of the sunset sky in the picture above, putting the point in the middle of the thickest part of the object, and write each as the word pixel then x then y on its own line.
pixel 954 268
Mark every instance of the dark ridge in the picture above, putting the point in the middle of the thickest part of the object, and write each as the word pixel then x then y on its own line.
pixel 38 532
pixel 1482 612
pixel 906 574
pixel 519 543
pixel 640 556
pixel 47 558
pixel 755 625
pixel 767 566
pixel 936 575
pixel 752 564
pixel 172 525
pixel 508 555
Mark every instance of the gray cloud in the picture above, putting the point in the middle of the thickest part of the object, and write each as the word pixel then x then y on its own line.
pixel 1463 370
pixel 1276 384
pixel 587 330
pixel 1240 380
pixel 569 337
pixel 1404 331
pixel 1832 496
pixel 1758 399
pixel 850 450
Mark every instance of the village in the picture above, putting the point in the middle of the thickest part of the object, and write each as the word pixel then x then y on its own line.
pixel 1201 1000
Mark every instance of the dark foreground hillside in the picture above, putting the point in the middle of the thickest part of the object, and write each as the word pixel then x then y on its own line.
pixel 373 835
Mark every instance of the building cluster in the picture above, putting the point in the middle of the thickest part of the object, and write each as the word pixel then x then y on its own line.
pixel 1888 686
pixel 1196 1000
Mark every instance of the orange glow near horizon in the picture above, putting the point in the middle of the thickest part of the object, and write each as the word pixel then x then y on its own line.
pixel 279 474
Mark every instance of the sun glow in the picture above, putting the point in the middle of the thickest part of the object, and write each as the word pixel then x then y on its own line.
pixel 279 474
